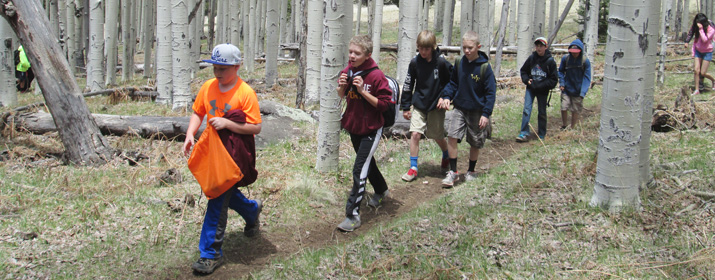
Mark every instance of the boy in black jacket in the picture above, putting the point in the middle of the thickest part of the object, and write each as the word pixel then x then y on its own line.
pixel 427 75
pixel 539 74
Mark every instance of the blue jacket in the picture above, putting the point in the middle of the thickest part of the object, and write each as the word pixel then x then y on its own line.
pixel 468 91
pixel 575 73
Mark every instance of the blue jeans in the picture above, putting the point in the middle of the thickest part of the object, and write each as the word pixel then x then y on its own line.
pixel 214 226
pixel 528 103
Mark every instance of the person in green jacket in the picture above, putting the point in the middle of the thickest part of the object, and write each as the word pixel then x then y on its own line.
pixel 23 70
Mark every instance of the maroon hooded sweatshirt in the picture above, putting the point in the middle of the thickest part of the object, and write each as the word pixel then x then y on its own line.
pixel 360 117
pixel 241 147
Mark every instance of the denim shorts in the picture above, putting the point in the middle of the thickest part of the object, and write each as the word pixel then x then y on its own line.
pixel 708 56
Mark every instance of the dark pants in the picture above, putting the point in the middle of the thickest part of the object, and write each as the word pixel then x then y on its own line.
pixel 24 79
pixel 214 226
pixel 364 169
pixel 528 103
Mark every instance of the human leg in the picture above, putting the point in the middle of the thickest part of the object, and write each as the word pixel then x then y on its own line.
pixel 564 110
pixel 248 209
pixel 542 102
pixel 212 233
pixel 435 130
pixel 696 62
pixel 365 146
pixel 526 114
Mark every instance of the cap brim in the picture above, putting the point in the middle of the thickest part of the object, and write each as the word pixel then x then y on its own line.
pixel 574 50
pixel 219 63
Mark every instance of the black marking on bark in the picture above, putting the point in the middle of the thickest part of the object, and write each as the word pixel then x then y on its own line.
pixel 617 55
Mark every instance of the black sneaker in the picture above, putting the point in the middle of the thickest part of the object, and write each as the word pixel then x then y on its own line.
pixel 207 266
pixel 252 230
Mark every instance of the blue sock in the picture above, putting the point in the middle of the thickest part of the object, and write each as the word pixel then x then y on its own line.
pixel 413 162
pixel 445 154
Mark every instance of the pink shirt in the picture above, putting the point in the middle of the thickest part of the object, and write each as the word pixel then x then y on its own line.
pixel 703 43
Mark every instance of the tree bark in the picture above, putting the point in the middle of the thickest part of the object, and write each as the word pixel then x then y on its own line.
pixel 128 40
pixel 648 89
pixel 377 31
pixel 539 18
pixel 333 58
pixel 70 34
pixel 438 15
pixel 163 52
pixel 665 19
pixel 358 19
pixel 524 35
pixel 110 39
pixel 466 19
pixel 513 30
pixel 95 67
pixel 8 92
pixel 500 42
pixel 482 8
pixel 301 31
pixel 84 143
pixel 407 36
pixel 552 34
pixel 314 40
pixel 590 33
pixel 272 41
pixel 553 14
pixel 148 36
pixel 448 22
pixel 181 78
pixel 620 132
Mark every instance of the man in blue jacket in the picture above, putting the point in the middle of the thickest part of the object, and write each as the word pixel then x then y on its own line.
pixel 539 75
pixel 575 80
pixel 472 91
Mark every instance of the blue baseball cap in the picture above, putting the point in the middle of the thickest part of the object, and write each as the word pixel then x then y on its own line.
pixel 225 54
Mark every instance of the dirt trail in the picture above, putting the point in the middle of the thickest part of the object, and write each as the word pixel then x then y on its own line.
pixel 244 255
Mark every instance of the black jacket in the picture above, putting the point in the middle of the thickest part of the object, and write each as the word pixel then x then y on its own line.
pixel 542 71
pixel 424 81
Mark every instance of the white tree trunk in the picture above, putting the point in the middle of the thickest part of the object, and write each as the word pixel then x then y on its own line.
pixel 285 23
pixel 590 33
pixel 163 52
pixel 181 77
pixel 620 132
pixel 8 92
pixel 438 15
pixel 70 35
pixel 54 17
pixel 500 42
pixel 370 15
pixel 235 24
pixel 538 26
pixel 524 39
pixel 250 48
pixel 272 41
pixel 128 40
pixel 62 10
pixel 484 8
pixel 466 19
pixel 665 19
pixel 553 14
pixel 314 52
pixel 424 20
pixel 512 29
pixel 447 23
pixel 245 24
pixel 685 17
pixel 333 56
pixel 261 28
pixel 648 86
pixel 407 36
pixel 347 24
pixel 110 39
pixel 377 31
pixel 148 37
pixel 357 18
pixel 95 67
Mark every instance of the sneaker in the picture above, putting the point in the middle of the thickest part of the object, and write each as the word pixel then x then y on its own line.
pixel 471 175
pixel 207 266
pixel 448 181
pixel 563 127
pixel 350 224
pixel 696 92
pixel 252 230
pixel 445 164
pixel 378 197
pixel 522 137
pixel 410 175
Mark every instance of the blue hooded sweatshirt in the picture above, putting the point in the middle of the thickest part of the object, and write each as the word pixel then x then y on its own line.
pixel 468 91
pixel 575 73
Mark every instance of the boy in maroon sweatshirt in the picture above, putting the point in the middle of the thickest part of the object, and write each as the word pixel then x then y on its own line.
pixel 367 97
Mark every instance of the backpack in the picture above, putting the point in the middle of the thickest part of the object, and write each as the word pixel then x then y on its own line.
pixel 482 68
pixel 390 114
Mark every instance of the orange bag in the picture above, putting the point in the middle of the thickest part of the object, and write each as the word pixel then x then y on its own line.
pixel 212 165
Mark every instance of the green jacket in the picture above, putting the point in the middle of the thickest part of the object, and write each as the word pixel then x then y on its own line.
pixel 24 63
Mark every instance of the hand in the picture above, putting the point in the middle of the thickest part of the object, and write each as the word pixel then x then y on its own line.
pixel 219 123
pixel 483 122
pixel 529 82
pixel 188 143
pixel 443 103
pixel 700 25
pixel 562 88
pixel 342 82
pixel 686 45
pixel 407 115
pixel 358 83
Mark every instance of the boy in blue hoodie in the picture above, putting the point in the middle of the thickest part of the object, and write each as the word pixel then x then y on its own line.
pixel 539 75
pixel 472 91
pixel 575 80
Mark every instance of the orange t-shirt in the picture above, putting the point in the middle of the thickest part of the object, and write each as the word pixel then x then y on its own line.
pixel 215 103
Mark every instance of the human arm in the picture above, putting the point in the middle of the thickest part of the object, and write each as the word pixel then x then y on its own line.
pixel 359 83
pixel 241 128
pixel 448 92
pixel 408 86
pixel 194 123
pixel 342 84
pixel 525 72
pixel 490 89
pixel 562 72
pixel 586 82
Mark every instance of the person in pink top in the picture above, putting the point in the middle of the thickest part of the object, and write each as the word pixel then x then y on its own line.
pixel 702 49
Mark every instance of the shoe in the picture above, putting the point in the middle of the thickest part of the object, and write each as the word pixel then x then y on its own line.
pixel 522 137
pixel 448 181
pixel 471 175
pixel 350 224
pixel 542 137
pixel 410 175
pixel 563 127
pixel 252 230
pixel 696 92
pixel 444 165
pixel 377 198
pixel 207 266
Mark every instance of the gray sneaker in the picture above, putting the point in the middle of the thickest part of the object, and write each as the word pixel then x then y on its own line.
pixel 252 230
pixel 471 175
pixel 448 181
pixel 350 224
pixel 377 198
pixel 207 266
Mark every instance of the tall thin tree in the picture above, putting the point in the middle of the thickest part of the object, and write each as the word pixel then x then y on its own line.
pixel 447 23
pixel 272 41
pixel 590 32
pixel 8 93
pixel 314 41
pixel 377 30
pixel 524 35
pixel 95 68
pixel 181 77
pixel 407 36
pixel 163 52
pixel 110 39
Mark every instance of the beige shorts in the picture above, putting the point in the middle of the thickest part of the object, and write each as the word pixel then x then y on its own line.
pixel 571 103
pixel 431 123
pixel 467 122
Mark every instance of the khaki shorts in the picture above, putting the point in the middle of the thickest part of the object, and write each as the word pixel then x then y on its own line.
pixel 431 123
pixel 571 103
pixel 467 122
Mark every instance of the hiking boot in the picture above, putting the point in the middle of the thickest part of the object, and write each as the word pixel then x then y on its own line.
pixel 444 165
pixel 253 229
pixel 448 181
pixel 563 127
pixel 471 175
pixel 207 266
pixel 522 137
pixel 410 175
pixel 350 224
pixel 378 197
